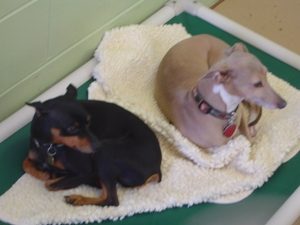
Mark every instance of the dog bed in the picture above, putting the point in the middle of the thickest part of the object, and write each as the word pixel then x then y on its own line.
pixel 128 59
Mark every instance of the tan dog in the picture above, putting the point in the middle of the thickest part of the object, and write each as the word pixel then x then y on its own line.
pixel 200 84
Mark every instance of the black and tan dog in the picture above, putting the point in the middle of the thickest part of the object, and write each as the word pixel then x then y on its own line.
pixel 90 142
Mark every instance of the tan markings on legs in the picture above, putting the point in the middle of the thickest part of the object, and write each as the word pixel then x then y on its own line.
pixel 79 200
pixel 153 178
pixel 58 164
pixel 82 144
pixel 29 167
pixel 48 183
pixel 32 155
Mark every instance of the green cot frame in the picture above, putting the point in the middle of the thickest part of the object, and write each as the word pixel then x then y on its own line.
pixel 260 205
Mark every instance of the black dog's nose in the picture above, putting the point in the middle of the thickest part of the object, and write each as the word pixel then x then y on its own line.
pixel 281 104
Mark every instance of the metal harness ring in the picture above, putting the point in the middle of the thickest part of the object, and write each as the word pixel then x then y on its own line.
pixel 51 151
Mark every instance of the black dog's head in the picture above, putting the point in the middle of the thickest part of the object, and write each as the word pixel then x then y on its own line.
pixel 62 120
pixel 46 157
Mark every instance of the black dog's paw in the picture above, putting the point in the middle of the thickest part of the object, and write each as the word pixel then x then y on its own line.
pixel 79 200
pixel 111 202
pixel 76 200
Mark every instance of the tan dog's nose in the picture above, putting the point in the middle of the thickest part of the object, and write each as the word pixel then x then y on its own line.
pixel 281 104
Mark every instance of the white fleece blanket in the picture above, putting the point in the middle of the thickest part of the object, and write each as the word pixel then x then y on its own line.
pixel 128 60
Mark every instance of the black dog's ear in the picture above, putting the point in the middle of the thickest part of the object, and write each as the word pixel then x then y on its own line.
pixel 39 107
pixel 71 92
pixel 36 105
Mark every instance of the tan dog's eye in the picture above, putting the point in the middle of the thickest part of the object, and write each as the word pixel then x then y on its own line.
pixel 258 84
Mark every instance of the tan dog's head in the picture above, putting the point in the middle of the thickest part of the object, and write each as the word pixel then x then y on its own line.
pixel 242 75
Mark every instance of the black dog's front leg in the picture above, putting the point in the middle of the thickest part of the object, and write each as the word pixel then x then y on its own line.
pixel 108 197
pixel 68 182
pixel 106 178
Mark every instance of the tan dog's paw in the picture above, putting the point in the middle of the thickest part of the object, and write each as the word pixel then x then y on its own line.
pixel 252 131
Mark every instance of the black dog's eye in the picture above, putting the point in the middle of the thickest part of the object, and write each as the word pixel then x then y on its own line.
pixel 73 129
pixel 258 84
pixel 88 120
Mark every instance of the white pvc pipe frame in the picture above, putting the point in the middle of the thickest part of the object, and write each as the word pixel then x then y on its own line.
pixel 171 9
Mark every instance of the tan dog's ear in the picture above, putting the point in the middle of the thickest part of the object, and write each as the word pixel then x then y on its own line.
pixel 237 47
pixel 222 76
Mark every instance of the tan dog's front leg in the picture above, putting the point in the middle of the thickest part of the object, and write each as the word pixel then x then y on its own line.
pixel 252 131
pixel 251 114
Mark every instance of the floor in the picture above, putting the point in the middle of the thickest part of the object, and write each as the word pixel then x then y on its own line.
pixel 277 20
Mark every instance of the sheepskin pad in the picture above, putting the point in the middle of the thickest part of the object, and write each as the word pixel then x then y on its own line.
pixel 128 60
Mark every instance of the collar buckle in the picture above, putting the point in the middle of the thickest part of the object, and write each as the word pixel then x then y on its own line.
pixel 51 151
pixel 204 107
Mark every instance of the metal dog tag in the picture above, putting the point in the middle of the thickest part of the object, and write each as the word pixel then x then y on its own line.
pixel 51 152
pixel 50 160
pixel 230 126
pixel 229 130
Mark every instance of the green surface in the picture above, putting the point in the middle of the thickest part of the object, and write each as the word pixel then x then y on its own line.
pixel 254 210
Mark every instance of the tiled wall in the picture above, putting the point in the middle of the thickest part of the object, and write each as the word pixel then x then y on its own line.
pixel 41 41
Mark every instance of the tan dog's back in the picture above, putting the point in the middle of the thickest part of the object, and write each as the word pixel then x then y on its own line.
pixel 183 66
